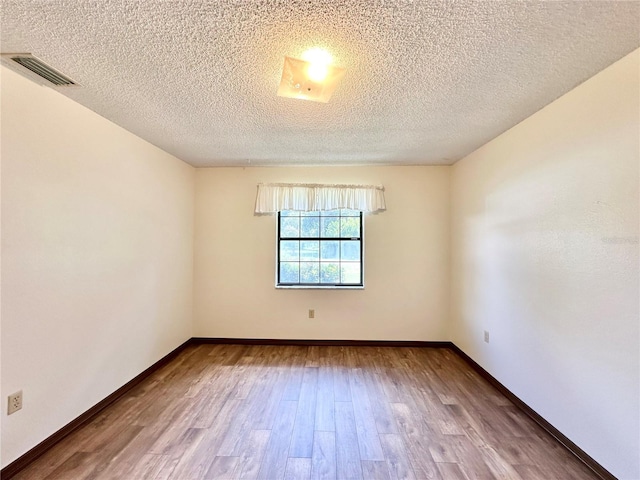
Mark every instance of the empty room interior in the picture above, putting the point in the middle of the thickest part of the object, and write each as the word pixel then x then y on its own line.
pixel 339 239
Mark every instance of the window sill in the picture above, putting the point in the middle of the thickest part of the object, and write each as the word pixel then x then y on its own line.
pixel 318 287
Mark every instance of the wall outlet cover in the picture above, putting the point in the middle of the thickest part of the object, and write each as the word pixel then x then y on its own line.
pixel 15 402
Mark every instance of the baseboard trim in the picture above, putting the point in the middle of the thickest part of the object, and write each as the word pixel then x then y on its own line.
pixel 24 460
pixel 585 458
pixel 312 343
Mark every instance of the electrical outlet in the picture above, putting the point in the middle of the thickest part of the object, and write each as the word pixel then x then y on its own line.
pixel 312 313
pixel 15 402
pixel 486 336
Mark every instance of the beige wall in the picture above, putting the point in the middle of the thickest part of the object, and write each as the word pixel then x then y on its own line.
pixel 545 257
pixel 97 258
pixel 406 260
pixel 104 267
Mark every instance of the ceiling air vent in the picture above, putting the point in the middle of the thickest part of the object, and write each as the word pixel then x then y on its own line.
pixel 36 66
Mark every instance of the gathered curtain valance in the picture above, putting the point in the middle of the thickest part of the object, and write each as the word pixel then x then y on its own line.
pixel 304 197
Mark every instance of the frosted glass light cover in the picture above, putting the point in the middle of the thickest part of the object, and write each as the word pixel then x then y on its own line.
pixel 296 82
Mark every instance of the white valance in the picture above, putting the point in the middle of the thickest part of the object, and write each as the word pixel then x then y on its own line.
pixel 308 197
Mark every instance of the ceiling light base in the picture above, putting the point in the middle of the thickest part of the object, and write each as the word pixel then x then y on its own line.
pixel 297 83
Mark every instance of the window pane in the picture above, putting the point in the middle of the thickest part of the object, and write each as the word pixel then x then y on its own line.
pixel 310 227
pixel 329 273
pixel 330 213
pixel 310 250
pixel 350 250
pixel 330 250
pixel 330 227
pixel 350 272
pixel 304 259
pixel 349 213
pixel 289 250
pixel 289 227
pixel 350 227
pixel 289 272
pixel 309 272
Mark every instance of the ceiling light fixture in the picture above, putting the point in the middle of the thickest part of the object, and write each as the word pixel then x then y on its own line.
pixel 310 78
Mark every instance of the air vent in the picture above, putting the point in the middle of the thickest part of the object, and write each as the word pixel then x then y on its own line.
pixel 37 67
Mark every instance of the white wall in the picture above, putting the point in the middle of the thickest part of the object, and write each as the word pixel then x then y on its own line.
pixel 545 257
pixel 406 291
pixel 97 258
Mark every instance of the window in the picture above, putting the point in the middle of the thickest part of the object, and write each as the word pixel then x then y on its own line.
pixel 320 249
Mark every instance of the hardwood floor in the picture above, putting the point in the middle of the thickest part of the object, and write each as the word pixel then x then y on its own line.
pixel 289 412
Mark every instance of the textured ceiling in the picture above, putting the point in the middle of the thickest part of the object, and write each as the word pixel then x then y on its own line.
pixel 426 82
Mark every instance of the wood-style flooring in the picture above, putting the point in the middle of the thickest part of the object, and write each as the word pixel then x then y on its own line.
pixel 293 412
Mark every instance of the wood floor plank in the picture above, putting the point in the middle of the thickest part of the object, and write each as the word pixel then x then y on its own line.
pixel 92 464
pixel 79 465
pixel 222 468
pixel 166 470
pixel 272 412
pixel 51 460
pixel 451 471
pixel 450 427
pixel 266 401
pixel 382 414
pixel 341 386
pixel 473 428
pixel 313 356
pixel 416 442
pixel 109 456
pixel 298 469
pixel 207 408
pixel 149 466
pixel 274 461
pixel 473 466
pixel 541 448
pixel 323 459
pixel 127 461
pixel 347 449
pixel 516 452
pixel 294 384
pixel 227 355
pixel 499 467
pixel 238 426
pixel 395 453
pixel 198 457
pixel 351 359
pixel 182 449
pixel 375 470
pixel 530 472
pixel 368 440
pixel 325 412
pixel 442 449
pixel 252 454
pixel 167 439
pixel 302 438
pixel 247 370
pixel 393 387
